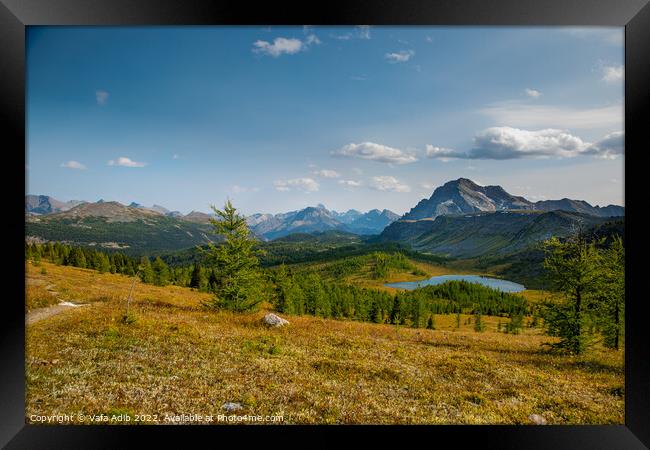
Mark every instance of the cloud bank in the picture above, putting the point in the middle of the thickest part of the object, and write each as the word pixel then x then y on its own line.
pixel 326 173
pixel 375 152
pixel 125 162
pixel 350 183
pixel 613 74
pixel 73 165
pixel 399 57
pixel 279 46
pixel 298 184
pixel 532 93
pixel 513 143
pixel 389 184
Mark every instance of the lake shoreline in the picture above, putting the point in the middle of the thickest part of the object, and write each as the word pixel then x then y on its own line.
pixel 495 283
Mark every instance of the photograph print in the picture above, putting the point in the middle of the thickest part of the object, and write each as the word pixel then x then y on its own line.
pixel 324 225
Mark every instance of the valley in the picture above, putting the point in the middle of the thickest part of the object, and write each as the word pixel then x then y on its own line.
pixel 178 358
pixel 129 292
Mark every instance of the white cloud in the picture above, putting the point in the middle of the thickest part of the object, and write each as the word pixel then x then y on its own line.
pixel 399 57
pixel 360 32
pixel 442 153
pixel 350 183
pixel 358 77
pixel 312 39
pixel 514 143
pixel 363 31
pixel 609 147
pixel 389 184
pixel 612 74
pixel 325 173
pixel 73 165
pixel 102 97
pixel 427 186
pixel 311 36
pixel 176 156
pixel 357 171
pixel 279 46
pixel 532 93
pixel 511 143
pixel 527 115
pixel 125 162
pixel 299 184
pixel 375 152
pixel 342 37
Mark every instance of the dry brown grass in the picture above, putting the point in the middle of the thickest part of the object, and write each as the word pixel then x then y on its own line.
pixel 179 358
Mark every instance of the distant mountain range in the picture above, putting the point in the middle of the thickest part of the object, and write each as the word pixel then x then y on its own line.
pixel 318 219
pixel 112 224
pixel 463 196
pixel 312 219
pixel 43 204
pixel 460 219
pixel 463 219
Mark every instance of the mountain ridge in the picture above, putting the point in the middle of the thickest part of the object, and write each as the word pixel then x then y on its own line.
pixel 463 196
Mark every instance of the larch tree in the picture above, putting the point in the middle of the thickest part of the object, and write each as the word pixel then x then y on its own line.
pixel 235 263
pixel 575 271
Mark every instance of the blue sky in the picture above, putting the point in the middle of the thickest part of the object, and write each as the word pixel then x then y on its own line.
pixel 279 118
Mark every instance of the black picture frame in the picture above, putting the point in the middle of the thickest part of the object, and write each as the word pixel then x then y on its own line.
pixel 15 15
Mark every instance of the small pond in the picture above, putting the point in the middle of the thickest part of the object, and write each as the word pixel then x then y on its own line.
pixel 494 283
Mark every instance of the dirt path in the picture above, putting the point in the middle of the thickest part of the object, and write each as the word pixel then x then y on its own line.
pixel 43 313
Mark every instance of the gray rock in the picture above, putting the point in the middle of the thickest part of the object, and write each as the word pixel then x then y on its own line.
pixel 537 419
pixel 231 406
pixel 273 320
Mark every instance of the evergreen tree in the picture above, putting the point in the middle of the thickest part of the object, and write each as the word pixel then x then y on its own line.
pixel 212 281
pixel 431 323
pixel 100 262
pixel 478 322
pixel 235 263
pixel 611 296
pixel 160 272
pixel 573 267
pixel 376 313
pixel 196 279
pixel 145 270
pixel 76 258
pixel 515 324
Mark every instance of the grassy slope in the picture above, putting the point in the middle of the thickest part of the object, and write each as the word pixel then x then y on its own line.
pixel 179 358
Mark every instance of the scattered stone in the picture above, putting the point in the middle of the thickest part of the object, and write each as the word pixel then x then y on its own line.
pixel 537 419
pixel 74 305
pixel 231 406
pixel 273 320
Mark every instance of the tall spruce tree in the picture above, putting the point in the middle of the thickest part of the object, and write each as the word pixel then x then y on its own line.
pixel 160 272
pixel 611 296
pixel 145 271
pixel 575 271
pixel 196 278
pixel 234 262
